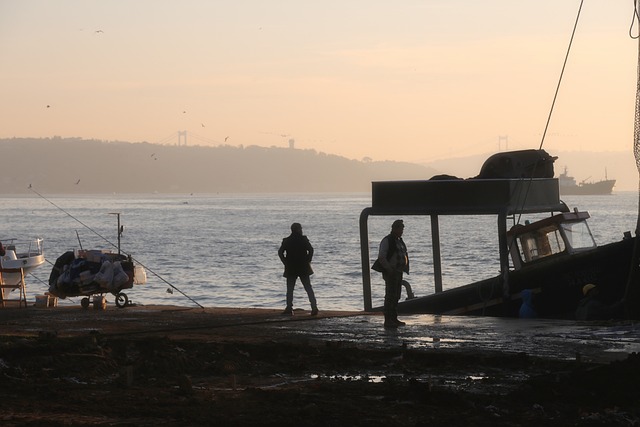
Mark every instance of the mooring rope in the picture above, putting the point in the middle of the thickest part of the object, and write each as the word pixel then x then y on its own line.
pixel 116 246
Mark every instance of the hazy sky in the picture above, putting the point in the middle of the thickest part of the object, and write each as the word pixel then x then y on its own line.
pixel 404 80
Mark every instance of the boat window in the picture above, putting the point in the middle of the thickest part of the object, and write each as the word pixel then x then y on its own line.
pixel 556 243
pixel 540 244
pixel 549 240
pixel 578 235
pixel 528 247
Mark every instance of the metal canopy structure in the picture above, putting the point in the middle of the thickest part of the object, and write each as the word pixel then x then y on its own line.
pixel 501 197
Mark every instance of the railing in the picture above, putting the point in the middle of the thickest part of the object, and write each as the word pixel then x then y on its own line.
pixel 33 247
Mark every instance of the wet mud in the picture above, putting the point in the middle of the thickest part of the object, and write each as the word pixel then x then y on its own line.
pixel 173 366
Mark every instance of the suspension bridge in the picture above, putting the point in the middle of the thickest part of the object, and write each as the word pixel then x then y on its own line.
pixel 184 138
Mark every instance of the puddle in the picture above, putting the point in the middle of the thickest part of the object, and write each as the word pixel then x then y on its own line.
pixel 346 378
pixel 555 339
pixel 477 383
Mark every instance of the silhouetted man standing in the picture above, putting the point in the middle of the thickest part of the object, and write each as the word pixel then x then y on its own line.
pixel 393 256
pixel 296 254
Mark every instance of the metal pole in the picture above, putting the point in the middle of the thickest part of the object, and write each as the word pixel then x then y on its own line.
pixel 119 233
pixel 364 252
pixel 119 229
pixel 437 261
pixel 504 255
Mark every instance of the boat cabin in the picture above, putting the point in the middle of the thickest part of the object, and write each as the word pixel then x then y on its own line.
pixel 562 234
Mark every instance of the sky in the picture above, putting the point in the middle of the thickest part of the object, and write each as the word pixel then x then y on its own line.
pixel 406 81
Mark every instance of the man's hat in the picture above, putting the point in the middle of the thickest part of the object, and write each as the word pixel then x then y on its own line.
pixel 587 288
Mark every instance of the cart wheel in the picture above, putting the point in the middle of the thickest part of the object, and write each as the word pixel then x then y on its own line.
pixel 84 302
pixel 121 300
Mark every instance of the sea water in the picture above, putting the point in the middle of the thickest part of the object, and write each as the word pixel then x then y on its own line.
pixel 220 250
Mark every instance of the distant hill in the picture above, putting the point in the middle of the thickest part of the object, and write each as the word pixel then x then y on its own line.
pixel 582 165
pixel 79 166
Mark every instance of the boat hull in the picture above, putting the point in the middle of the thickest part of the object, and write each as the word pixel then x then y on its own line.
pixel 557 286
pixel 586 189
pixel 26 263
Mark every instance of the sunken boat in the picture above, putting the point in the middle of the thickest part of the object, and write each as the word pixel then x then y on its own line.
pixel 551 259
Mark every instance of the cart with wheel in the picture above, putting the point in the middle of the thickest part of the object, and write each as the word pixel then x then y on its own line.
pixel 98 301
pixel 92 274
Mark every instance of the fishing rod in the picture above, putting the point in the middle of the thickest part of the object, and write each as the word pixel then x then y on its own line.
pixel 165 281
pixel 115 246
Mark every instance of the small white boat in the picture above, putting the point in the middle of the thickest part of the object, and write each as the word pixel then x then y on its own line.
pixel 27 255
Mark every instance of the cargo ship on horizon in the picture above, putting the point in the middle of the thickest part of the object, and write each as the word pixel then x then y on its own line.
pixel 569 187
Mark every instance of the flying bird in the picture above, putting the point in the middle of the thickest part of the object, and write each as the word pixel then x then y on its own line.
pixel 225 138
pixel 202 124
pixel 77 182
pixel 29 185
pixel 48 106
pixel 99 31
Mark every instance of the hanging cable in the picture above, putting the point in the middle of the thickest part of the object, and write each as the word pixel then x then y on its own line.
pixel 115 246
pixel 635 20
pixel 526 188
pixel 553 103
pixel 566 58
pixel 636 127
pixel 632 293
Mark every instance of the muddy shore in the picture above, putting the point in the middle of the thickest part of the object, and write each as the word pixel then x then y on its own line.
pixel 165 365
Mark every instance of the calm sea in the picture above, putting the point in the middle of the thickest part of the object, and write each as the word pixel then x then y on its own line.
pixel 221 250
